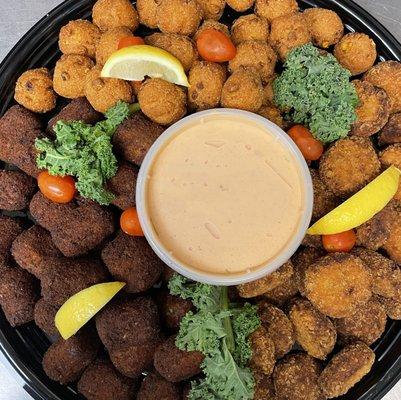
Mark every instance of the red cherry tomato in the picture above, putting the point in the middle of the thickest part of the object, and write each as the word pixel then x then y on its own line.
pixel 310 147
pixel 129 41
pixel 60 189
pixel 215 46
pixel 129 222
pixel 339 242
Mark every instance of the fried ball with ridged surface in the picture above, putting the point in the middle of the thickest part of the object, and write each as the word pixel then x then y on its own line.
pixel 240 5
pixel 314 332
pixel 391 133
pixel 34 90
pixel 250 27
pixel 181 47
pixel 338 284
pixel 324 25
pixel 79 37
pixel 287 33
pixel 283 292
pixel 273 114
pixel 212 24
pixel 296 378
pixel 393 243
pixel 391 306
pixel 348 165
pixel 147 11
pixel 107 14
pixel 155 386
pixel 212 9
pixel 263 352
pixel 272 9
pixel 44 314
pixel 162 101
pixel 346 369
pixel 109 41
pixel 392 156
pixel 16 190
pixel 179 16
pixel 10 228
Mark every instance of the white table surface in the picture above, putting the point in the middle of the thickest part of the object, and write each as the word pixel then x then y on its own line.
pixel 17 16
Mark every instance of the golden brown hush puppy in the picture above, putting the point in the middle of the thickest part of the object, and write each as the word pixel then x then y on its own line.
pixel 284 292
pixel 272 9
pixel 273 114
pixel 393 243
pixel 240 5
pixel 212 9
pixel 263 352
pixel 212 24
pixel 392 156
pixel 264 387
pixel 109 41
pixel 391 306
pixel 147 11
pixel 268 92
pixel 250 27
pixel 391 133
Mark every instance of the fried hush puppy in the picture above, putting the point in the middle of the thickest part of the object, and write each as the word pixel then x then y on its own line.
pixel 346 369
pixel 34 90
pixel 162 101
pixel 338 284
pixel 348 165
pixel 250 27
pixel 314 241
pixel 10 228
pixel 212 9
pixel 16 190
pixel 283 292
pixel 272 9
pixel 155 386
pixel 273 114
pixel 392 307
pixel 240 5
pixel 393 243
pixel 212 24
pixel 147 11
pixel 44 314
pixel 108 43
pixel 392 156
pixel 268 92
pixel 263 351
pixel 391 133
pixel 264 387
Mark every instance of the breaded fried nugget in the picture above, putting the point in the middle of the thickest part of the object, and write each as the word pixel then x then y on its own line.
pixel 34 90
pixel 147 11
pixel 346 369
pixel 287 33
pixel 212 24
pixel 392 307
pixel 10 228
pixel 268 92
pixel 391 133
pixel 16 190
pixel 240 5
pixel 393 243
pixel 44 314
pixel 264 387
pixel 243 90
pixel 349 165
pixel 283 292
pixel 263 351
pixel 392 156
pixel 206 81
pixel 162 101
pixel 273 114
pixel 325 26
pixel 108 43
pixel 338 284
pixel 373 110
pixel 155 386
pixel 314 241
pixel 272 9
pixel 250 27
pixel 296 378
pixel 313 330
pixel 212 9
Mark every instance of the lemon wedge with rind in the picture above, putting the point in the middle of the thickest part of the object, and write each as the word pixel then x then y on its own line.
pixel 134 63
pixel 84 305
pixel 361 207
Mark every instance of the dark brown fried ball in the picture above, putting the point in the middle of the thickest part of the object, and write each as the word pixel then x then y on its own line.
pixel 34 90
pixel 155 386
pixel 10 228
pixel 273 114
pixel 392 156
pixel 109 41
pixel 348 165
pixel 65 360
pixel 167 274
pixel 324 25
pixel 79 37
pixel 338 284
pixel 315 333
pixel 109 14
pixel 272 9
pixel 174 364
pixel 391 306
pixel 212 24
pixel 240 5
pixel 314 241
pixel 346 369
pixel 243 90
pixel 179 16
pixel 250 27
pixel 212 9
pixel 373 110
pixel 147 11
pixel 44 314
pixel 296 378
pixel 393 243
pixel 283 292
pixel 16 190
pixel 263 351
pixel 391 133
pixel 264 387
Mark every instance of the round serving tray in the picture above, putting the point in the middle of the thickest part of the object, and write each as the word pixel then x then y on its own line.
pixel 25 346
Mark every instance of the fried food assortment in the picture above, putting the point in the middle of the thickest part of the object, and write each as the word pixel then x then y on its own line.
pixel 272 9
pixel 212 9
pixel 16 190
pixel 108 42
pixel 147 11
pixel 250 27
pixel 240 5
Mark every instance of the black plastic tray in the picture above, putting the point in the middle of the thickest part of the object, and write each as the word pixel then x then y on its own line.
pixel 24 346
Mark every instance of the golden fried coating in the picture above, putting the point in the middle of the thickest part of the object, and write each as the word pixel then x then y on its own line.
pixel 324 25
pixel 391 133
pixel 269 282
pixel 391 306
pixel 79 37
pixel 254 56
pixel 264 387
pixel 109 41
pixel 263 352
pixel 346 369
pixel 104 93
pixel 296 378
pixel 206 81
pixel 147 11
pixel 34 90
pixel 272 9
pixel 392 156
pixel 356 52
pixel 212 24
pixel 240 5
pixel 338 284
pixel 179 16
pixel 393 243
pixel 314 241
pixel 107 14
pixel 162 101
pixel 349 165
pixel 373 110
pixel 273 114
pixel 283 292
pixel 287 33
pixel 212 9
pixel 243 90
pixel 250 27
pixel 182 47
pixel 268 92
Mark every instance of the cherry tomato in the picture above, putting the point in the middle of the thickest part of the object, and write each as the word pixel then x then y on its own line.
pixel 310 147
pixel 129 41
pixel 60 189
pixel 129 222
pixel 215 46
pixel 339 242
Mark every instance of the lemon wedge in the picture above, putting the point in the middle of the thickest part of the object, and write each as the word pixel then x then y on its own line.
pixel 361 207
pixel 81 307
pixel 135 62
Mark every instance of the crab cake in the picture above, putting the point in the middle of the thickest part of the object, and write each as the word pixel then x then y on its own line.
pixel 243 90
pixel 212 24
pixel 181 47
pixel 296 378
pixel 338 284
pixel 34 90
pixel 240 5
pixel 283 292
pixel 250 27
pixel 391 133
pixel 16 190
pixel 263 351
pixel 212 9
pixel 392 156
pixel 391 306
pixel 206 81
pixel 162 101
pixel 155 386
pixel 346 369
pixel 393 243
pixel 44 314
pixel 10 228
pixel 313 330
pixel 179 16
pixel 109 41
pixel 147 11
pixel 273 114
pixel 79 37
pixel 324 25
pixel 348 165
pixel 287 33
pixel 109 14
pixel 272 9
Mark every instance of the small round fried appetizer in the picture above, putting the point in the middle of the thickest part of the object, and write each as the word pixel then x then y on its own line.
pixel 240 5
pixel 212 9
pixel 391 133
pixel 392 156
pixel 268 92
pixel 264 387
pixel 212 24
pixel 44 314
pixel 273 114
pixel 16 190
pixel 147 11
pixel 391 306
pixel 250 27
pixel 284 292
pixel 109 41
pixel 155 386
pixel 272 9
pixel 393 243
pixel 263 351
